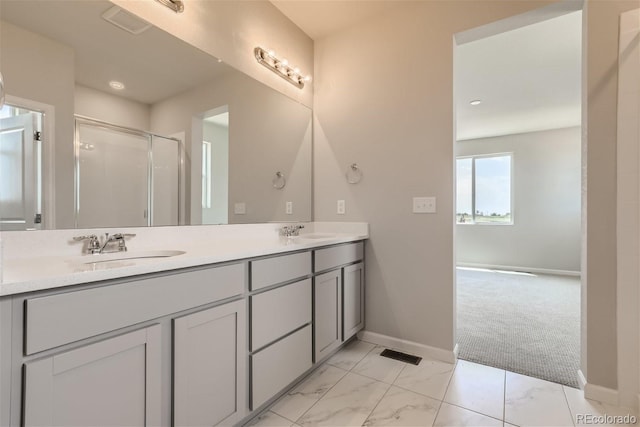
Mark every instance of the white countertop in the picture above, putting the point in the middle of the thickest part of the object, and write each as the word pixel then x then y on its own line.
pixel 47 271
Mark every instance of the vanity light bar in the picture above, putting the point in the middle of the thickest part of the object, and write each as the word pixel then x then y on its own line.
pixel 176 5
pixel 280 66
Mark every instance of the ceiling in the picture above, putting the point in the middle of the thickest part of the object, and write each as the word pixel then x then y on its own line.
pixel 528 79
pixel 321 18
pixel 152 65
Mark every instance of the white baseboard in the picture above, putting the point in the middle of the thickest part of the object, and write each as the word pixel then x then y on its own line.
pixel 410 347
pixel 516 268
pixel 582 381
pixel 601 394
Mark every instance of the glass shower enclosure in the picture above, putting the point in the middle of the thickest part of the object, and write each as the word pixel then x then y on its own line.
pixel 125 177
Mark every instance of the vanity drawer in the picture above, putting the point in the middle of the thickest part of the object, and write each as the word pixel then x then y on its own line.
pixel 270 271
pixel 335 256
pixel 275 367
pixel 279 311
pixel 55 320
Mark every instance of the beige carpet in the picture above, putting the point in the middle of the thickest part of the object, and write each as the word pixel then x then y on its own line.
pixel 529 324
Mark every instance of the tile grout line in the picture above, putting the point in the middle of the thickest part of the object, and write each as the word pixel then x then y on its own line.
pixel 504 398
pixel 377 403
pixel 474 411
pixel 566 399
pixel 330 388
pixel 445 391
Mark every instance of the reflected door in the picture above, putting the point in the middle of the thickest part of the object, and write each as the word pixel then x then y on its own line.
pixel 17 173
pixel 165 153
pixel 113 177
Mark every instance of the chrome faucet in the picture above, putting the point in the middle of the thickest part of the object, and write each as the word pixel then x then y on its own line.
pixel 291 230
pixel 119 238
pixel 95 247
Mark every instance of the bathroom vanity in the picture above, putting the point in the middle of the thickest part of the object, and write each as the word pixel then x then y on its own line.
pixel 192 340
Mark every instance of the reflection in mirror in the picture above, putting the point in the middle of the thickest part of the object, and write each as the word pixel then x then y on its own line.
pixel 125 177
pixel 20 181
pixel 235 133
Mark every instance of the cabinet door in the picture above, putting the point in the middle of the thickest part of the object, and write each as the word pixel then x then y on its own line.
pixel 327 313
pixel 353 300
pixel 209 366
pixel 112 382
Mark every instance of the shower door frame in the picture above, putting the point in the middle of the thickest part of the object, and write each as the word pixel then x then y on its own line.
pixel 84 120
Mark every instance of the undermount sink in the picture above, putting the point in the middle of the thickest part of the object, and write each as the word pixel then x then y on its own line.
pixel 126 256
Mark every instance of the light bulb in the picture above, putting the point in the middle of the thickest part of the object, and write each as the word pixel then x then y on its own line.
pixel 307 79
pixel 284 62
pixel 116 85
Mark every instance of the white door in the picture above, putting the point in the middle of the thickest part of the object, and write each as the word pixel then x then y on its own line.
pixel 17 173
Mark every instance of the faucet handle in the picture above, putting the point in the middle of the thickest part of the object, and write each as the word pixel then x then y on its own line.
pixel 87 237
pixel 94 243
pixel 123 235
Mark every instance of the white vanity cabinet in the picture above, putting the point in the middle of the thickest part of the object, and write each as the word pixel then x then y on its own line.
pixel 208 366
pixel 339 296
pixel 111 382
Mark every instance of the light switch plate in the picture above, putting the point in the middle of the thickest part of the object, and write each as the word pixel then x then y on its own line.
pixel 341 208
pixel 289 208
pixel 424 205
pixel 240 208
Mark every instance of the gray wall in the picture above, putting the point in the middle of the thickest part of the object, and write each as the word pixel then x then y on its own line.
pixel 546 233
pixel 110 108
pixel 42 70
pixel 389 107
pixel 268 132
pixel 398 127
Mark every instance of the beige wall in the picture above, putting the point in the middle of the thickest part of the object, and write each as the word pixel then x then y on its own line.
pixel 384 99
pixel 230 30
pixel 112 109
pixel 394 117
pixel 599 257
pixel 39 69
pixel 545 234
pixel 268 132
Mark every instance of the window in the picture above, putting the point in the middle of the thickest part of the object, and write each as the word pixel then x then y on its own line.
pixel 483 193
pixel 206 175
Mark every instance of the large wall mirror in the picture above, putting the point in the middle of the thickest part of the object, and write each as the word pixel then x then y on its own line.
pixel 111 122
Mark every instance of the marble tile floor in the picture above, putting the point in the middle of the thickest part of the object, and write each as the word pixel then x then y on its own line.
pixel 358 387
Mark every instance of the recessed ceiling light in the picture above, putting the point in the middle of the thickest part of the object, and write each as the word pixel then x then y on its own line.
pixel 476 102
pixel 116 85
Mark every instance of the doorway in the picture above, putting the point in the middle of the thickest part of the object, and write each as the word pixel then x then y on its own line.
pixel 20 168
pixel 518 193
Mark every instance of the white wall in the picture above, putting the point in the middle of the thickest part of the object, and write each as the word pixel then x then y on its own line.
pixel 218 136
pixel 109 108
pixel 39 69
pixel 546 183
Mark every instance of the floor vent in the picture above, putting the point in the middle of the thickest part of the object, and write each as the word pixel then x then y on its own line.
pixel 403 357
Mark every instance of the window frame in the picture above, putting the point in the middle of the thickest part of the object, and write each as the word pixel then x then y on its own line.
pixel 473 158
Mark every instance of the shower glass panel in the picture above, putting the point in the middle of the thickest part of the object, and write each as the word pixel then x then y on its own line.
pixel 165 154
pixel 125 177
pixel 112 177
